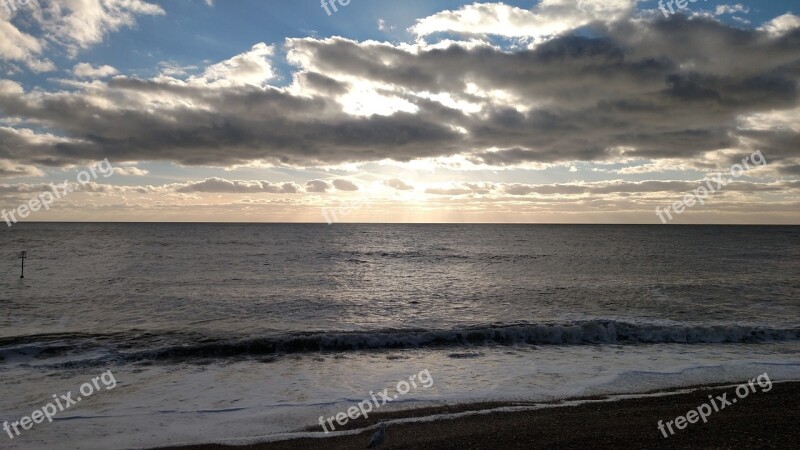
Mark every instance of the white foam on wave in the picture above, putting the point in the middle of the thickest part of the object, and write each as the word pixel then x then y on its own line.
pixel 248 400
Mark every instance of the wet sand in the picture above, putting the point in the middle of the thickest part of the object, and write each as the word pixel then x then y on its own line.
pixel 761 420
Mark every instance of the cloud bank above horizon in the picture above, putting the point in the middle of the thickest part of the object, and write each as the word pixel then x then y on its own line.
pixel 561 111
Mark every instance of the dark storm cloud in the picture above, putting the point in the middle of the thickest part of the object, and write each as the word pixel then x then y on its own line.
pixel 673 95
pixel 228 126
pixel 321 83
pixel 660 89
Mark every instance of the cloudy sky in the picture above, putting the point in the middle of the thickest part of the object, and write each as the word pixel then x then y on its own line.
pixel 589 111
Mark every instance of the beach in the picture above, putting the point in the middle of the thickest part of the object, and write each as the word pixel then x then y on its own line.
pixel 761 420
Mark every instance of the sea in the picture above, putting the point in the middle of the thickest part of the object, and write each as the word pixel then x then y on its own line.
pixel 237 333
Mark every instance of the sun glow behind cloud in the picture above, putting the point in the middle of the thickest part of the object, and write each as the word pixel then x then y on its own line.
pixel 487 112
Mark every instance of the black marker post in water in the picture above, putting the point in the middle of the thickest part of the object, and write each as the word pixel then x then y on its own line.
pixel 22 256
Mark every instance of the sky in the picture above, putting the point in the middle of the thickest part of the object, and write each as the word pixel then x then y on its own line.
pixel 551 111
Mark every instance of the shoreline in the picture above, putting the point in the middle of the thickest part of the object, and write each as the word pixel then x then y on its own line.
pixel 762 419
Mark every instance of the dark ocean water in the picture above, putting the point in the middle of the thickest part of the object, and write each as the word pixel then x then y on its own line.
pixel 305 287
pixel 193 300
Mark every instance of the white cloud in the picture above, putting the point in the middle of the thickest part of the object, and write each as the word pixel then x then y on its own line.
pixel 463 188
pixel 173 69
pixel 781 24
pixel 10 169
pixel 86 70
pixel 8 87
pixel 548 18
pixel 654 167
pixel 80 24
pixel 222 186
pixel 383 26
pixel 252 67
pixel 73 24
pixel 130 171
pixel 19 46
pixel 741 20
pixel 731 9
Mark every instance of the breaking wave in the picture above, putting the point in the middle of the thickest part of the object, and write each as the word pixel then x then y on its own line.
pixel 189 347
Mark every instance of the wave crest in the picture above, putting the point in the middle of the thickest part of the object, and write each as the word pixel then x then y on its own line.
pixel 578 333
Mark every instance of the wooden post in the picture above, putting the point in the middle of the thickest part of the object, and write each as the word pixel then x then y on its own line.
pixel 22 256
